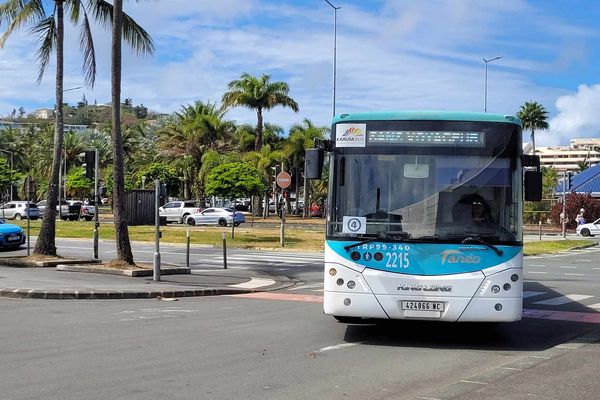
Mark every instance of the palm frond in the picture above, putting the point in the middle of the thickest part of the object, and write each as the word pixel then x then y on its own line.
pixel 137 37
pixel 86 43
pixel 74 10
pixel 46 32
pixel 19 13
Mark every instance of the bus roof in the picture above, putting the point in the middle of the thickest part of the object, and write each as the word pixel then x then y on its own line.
pixel 427 115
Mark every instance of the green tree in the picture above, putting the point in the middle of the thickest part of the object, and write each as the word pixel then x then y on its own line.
pixel 48 28
pixel 302 137
pixel 77 184
pixel 6 174
pixel 141 43
pixel 264 160
pixel 233 180
pixel 164 172
pixel 534 116
pixel 258 93
pixel 193 131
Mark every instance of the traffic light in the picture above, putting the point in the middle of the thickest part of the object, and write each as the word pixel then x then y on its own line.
pixel 90 160
pixel 570 180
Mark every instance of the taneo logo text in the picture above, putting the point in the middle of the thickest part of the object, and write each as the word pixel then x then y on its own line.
pixel 455 257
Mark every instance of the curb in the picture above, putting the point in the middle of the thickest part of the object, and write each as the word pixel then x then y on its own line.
pixel 19 263
pixel 105 295
pixel 123 272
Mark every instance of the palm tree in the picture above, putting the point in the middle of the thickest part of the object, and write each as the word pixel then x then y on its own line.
pixel 264 160
pixel 195 130
pixel 141 43
pixel 302 137
pixel 258 94
pixel 534 116
pixel 48 28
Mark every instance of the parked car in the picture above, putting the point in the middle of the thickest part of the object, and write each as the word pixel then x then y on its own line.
pixel 18 210
pixel 65 212
pixel 88 211
pixel 315 210
pixel 178 211
pixel 215 216
pixel 11 236
pixel 590 229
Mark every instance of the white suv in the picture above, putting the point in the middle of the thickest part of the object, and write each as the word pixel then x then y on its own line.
pixel 18 210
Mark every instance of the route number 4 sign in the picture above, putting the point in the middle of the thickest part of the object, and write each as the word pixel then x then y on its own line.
pixel 354 225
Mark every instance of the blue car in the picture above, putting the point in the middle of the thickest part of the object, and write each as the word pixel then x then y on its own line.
pixel 11 236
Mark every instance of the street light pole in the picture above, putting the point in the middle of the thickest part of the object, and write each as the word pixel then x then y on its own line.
pixel 485 90
pixel 334 49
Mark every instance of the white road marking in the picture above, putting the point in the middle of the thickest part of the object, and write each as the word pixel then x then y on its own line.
pixel 584 260
pixel 535 265
pixel 311 286
pixel 595 306
pixel 527 294
pixel 567 267
pixel 254 283
pixel 571 274
pixel 535 272
pixel 336 347
pixel 557 301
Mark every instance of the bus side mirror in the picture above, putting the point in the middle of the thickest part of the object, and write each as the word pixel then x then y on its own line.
pixel 314 163
pixel 533 186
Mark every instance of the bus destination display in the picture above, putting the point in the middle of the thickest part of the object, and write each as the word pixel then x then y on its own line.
pixel 424 138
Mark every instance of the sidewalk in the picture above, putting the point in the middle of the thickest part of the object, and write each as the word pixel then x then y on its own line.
pixel 49 283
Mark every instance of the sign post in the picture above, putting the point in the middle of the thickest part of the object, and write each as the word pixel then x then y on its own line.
pixel 283 180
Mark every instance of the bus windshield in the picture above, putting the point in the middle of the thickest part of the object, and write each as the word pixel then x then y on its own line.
pixel 426 197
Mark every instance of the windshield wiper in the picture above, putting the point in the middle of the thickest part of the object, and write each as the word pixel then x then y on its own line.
pixel 474 239
pixel 380 236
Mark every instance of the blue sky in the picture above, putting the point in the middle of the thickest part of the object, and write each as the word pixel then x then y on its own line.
pixel 392 55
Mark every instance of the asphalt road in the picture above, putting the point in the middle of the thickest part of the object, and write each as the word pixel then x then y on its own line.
pixel 280 345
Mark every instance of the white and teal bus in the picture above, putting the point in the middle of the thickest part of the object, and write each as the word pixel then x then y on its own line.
pixel 424 216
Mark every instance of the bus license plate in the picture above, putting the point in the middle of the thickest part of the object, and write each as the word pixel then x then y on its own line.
pixel 423 305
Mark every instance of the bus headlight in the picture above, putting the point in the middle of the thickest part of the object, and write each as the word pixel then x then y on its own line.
pixel 332 271
pixel 495 289
pixel 351 284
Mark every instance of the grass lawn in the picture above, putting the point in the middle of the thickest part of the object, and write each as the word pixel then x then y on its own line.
pixel 552 246
pixel 245 236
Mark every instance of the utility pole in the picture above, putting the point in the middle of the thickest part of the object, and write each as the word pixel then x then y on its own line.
pixel 564 201
pixel 96 200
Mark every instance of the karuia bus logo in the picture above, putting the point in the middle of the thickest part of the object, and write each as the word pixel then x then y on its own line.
pixel 350 135
pixel 455 257
pixel 356 132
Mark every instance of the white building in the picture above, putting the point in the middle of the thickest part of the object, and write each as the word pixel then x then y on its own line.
pixel 568 158
pixel 44 113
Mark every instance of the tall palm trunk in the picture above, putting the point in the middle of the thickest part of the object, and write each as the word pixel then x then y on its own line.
pixel 46 242
pixel 259 130
pixel 121 231
pixel 533 141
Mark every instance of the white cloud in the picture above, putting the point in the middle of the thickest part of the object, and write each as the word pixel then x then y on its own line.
pixel 577 116
pixel 396 55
